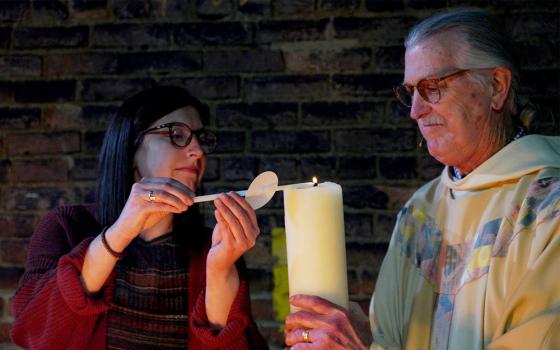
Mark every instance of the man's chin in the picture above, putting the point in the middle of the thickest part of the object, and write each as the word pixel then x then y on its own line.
pixel 438 153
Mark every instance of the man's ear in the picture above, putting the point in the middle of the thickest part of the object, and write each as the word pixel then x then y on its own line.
pixel 501 85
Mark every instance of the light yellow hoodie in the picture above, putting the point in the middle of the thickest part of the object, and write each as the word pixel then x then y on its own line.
pixel 475 263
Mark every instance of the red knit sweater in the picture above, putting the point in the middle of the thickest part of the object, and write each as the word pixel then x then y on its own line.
pixel 53 311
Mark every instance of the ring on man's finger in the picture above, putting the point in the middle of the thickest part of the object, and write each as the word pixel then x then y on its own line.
pixel 305 336
pixel 151 196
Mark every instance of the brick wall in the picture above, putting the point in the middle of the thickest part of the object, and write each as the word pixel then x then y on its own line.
pixel 301 87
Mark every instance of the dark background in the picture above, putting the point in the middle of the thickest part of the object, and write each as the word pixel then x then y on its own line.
pixel 300 87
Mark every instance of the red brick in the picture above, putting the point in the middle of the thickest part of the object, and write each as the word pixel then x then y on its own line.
pixel 290 141
pixel 257 115
pixel 5 170
pixel 44 91
pixel 291 30
pixel 39 198
pixel 40 170
pixel 213 33
pixel 13 252
pixel 373 30
pixel 50 37
pixel 9 277
pixel 367 281
pixel 243 61
pixel 160 61
pixel 35 143
pixel 5 332
pixel 353 283
pixel 342 113
pixel 20 66
pixel 273 333
pixel 259 255
pixel 262 309
pixel 19 118
pixel 287 88
pixel 14 10
pixel 81 63
pixel 236 169
pixel 293 7
pixel 213 8
pixel 398 195
pixel 9 308
pixel 124 35
pixel 6 91
pixel 72 117
pixel 327 60
pixel 49 11
pixel 84 169
pixel 131 9
pixel 96 90
pixel 374 140
pixel 209 88
pixel 91 10
pixel 17 225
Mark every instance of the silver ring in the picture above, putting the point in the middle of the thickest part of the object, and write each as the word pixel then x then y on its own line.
pixel 151 196
pixel 305 336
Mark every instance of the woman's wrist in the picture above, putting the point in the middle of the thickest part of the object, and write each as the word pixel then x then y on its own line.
pixel 221 274
pixel 115 240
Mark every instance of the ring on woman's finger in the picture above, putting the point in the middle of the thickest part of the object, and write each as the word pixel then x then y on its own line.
pixel 151 197
pixel 305 336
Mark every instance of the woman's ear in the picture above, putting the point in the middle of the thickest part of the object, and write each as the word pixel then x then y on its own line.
pixel 501 85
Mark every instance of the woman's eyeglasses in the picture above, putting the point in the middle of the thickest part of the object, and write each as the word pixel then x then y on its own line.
pixel 429 89
pixel 181 135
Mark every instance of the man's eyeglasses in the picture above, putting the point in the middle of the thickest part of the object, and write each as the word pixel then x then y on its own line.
pixel 181 135
pixel 429 89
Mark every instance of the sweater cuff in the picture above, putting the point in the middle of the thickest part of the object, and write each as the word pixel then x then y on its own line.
pixel 70 285
pixel 232 336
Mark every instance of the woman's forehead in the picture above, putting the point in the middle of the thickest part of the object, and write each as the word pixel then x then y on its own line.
pixel 188 115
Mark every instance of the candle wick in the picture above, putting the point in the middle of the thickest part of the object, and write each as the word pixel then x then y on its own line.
pixel 315 184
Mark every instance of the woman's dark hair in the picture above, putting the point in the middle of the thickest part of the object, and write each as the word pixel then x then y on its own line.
pixel 116 173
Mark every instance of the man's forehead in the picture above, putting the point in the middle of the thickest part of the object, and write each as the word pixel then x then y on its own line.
pixel 430 58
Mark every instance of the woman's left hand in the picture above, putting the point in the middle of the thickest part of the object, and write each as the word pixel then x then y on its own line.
pixel 235 233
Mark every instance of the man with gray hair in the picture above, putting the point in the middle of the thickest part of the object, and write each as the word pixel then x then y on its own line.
pixel 473 256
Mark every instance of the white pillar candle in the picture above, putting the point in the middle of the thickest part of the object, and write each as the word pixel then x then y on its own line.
pixel 314 220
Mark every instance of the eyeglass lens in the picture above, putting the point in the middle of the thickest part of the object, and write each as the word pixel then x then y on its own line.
pixel 427 89
pixel 181 136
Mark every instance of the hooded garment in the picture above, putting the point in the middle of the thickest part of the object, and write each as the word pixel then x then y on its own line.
pixel 475 263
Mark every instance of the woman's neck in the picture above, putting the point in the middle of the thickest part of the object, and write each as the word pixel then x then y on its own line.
pixel 159 229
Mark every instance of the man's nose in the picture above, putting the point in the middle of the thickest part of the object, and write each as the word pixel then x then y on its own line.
pixel 419 106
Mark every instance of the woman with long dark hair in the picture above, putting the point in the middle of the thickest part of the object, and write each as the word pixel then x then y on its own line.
pixel 138 269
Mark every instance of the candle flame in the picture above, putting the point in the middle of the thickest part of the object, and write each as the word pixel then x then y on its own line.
pixel 314 180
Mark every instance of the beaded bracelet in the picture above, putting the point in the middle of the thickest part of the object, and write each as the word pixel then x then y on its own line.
pixel 106 245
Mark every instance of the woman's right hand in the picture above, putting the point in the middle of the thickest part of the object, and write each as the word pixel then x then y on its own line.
pixel 140 213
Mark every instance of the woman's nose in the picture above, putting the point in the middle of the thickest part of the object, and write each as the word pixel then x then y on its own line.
pixel 419 106
pixel 194 149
